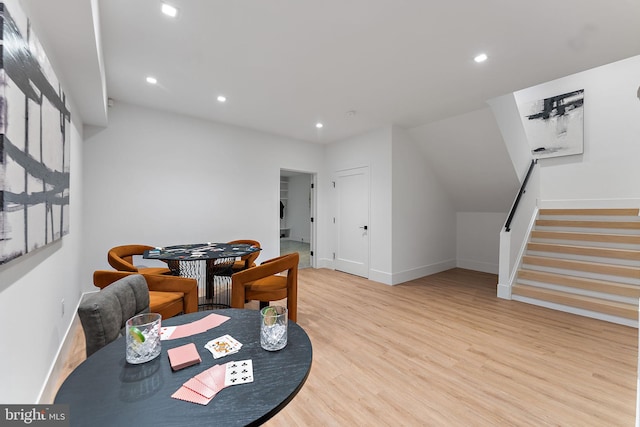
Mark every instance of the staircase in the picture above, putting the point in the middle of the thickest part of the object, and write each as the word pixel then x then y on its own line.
pixel 583 261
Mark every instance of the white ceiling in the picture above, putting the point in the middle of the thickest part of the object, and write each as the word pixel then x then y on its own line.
pixel 286 64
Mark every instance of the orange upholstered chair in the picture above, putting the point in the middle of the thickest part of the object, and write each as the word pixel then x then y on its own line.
pixel 121 258
pixel 246 261
pixel 168 295
pixel 264 283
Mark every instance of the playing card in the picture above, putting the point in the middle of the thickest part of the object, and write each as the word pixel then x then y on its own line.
pixel 183 356
pixel 166 332
pixel 223 346
pixel 212 320
pixel 240 372
pixel 186 394
pixel 206 377
pixel 193 328
pixel 200 388
pixel 217 373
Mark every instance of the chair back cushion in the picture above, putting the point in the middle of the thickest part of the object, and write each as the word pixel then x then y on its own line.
pixel 103 314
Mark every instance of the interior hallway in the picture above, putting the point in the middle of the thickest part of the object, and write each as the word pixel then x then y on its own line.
pixel 303 248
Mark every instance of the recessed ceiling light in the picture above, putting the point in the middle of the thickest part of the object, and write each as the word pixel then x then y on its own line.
pixel 222 98
pixel 319 125
pixel 152 80
pixel 169 10
pixel 481 57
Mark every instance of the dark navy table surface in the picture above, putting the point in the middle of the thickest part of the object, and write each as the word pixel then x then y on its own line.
pixel 107 391
pixel 219 258
pixel 200 251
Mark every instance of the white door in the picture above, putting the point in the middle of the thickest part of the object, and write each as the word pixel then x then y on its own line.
pixel 352 222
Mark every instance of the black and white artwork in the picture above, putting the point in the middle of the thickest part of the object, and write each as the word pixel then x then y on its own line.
pixel 34 141
pixel 554 126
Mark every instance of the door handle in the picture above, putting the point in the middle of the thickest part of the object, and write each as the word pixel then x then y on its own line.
pixel 365 227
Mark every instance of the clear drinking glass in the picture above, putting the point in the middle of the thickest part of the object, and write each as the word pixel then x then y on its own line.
pixel 273 328
pixel 143 337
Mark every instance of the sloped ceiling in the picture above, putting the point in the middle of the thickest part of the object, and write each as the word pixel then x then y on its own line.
pixel 468 155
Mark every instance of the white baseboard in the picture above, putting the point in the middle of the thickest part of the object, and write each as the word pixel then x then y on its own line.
pixel 49 390
pixel 504 291
pixel 325 263
pixel 380 277
pixel 416 273
pixel 485 267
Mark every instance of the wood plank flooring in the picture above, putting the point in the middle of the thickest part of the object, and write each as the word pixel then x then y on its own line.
pixel 445 351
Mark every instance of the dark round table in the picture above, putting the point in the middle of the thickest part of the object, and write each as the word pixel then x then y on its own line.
pixel 107 391
pixel 218 258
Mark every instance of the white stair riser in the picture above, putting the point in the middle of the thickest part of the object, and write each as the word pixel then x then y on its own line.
pixel 610 218
pixel 608 245
pixel 573 257
pixel 579 291
pixel 624 231
pixel 578 311
pixel 585 274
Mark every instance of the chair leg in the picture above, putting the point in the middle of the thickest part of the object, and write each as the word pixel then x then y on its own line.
pixel 264 304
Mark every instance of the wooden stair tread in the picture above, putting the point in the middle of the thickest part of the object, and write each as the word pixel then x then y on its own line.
pixel 629 311
pixel 606 212
pixel 587 237
pixel 627 225
pixel 627 254
pixel 583 259
pixel 592 267
pixel 603 286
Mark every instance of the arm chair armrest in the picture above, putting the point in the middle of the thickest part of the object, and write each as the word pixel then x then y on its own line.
pixel 103 278
pixel 189 287
pixel 266 270
pixel 156 282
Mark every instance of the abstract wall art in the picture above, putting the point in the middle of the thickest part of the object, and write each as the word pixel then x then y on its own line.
pixel 34 141
pixel 554 126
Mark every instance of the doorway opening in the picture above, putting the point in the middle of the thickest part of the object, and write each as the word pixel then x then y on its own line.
pixel 297 210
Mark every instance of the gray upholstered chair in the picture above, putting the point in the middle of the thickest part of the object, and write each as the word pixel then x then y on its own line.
pixel 103 314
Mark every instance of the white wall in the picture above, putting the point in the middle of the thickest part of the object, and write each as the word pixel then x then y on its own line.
pixel 505 110
pixel 468 155
pixel 608 170
pixel 162 179
pixel 424 224
pixel 478 240
pixel 373 150
pixel 31 293
pixel 298 210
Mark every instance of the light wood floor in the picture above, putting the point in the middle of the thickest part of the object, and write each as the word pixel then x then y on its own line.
pixel 444 351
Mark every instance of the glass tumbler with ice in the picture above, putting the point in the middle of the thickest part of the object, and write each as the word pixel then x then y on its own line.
pixel 143 337
pixel 273 328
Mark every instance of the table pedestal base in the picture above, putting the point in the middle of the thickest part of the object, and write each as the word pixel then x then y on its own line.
pixel 214 280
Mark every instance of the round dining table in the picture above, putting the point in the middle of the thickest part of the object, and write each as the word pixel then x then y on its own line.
pixel 107 391
pixel 218 258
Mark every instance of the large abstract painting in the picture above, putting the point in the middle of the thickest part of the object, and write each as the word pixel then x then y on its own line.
pixel 34 141
pixel 555 126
